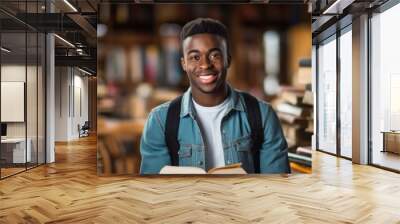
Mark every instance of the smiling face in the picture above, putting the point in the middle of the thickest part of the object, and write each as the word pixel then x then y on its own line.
pixel 205 60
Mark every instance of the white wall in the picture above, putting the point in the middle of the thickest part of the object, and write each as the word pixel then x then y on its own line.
pixel 13 73
pixel 33 126
pixel 71 94
pixel 61 103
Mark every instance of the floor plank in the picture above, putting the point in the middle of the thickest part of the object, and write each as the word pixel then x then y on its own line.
pixel 69 191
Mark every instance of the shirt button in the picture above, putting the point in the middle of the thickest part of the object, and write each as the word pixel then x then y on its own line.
pixel 200 163
pixel 229 162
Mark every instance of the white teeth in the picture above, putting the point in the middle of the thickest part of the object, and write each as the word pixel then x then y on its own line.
pixel 206 77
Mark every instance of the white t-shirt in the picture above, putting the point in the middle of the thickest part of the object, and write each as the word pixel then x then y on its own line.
pixel 209 119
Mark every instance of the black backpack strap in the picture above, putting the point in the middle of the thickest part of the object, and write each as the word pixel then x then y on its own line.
pixel 257 132
pixel 171 130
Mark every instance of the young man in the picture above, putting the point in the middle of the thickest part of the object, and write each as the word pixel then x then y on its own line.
pixel 214 128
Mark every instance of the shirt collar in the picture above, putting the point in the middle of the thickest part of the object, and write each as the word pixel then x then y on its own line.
pixel 187 108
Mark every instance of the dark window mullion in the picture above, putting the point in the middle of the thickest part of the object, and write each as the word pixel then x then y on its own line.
pixel 26 88
pixel 316 97
pixel 0 94
pixel 37 90
pixel 338 98
pixel 369 100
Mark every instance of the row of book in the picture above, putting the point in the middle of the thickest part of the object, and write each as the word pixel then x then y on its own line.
pixel 294 108
pixel 301 159
pixel 296 114
pixel 143 63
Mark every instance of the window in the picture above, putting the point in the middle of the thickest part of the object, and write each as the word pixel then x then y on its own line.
pixel 327 95
pixel 385 88
pixel 346 93
pixel 22 77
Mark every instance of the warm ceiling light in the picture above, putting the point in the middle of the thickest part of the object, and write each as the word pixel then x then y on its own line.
pixel 70 5
pixel 65 41
pixel 5 49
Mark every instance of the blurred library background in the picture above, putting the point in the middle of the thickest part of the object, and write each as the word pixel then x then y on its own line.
pixel 139 68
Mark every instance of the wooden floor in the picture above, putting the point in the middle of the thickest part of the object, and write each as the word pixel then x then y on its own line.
pixel 10 171
pixel 69 191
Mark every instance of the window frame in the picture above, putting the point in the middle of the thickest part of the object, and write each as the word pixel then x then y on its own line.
pixel 332 33
pixel 378 10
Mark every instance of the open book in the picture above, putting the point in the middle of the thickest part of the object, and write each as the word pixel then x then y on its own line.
pixel 229 169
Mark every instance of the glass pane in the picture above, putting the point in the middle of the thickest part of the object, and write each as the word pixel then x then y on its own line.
pixel 41 98
pixel 385 86
pixel 346 94
pixel 31 97
pixel 13 87
pixel 32 85
pixel 327 96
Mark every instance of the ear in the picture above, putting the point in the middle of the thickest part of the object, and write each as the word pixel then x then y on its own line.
pixel 183 64
pixel 229 61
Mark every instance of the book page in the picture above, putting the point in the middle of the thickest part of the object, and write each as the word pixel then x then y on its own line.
pixel 181 170
pixel 229 169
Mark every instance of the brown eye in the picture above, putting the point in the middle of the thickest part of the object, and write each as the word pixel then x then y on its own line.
pixel 194 57
pixel 215 55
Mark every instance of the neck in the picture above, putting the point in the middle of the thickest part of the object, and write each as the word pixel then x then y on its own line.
pixel 210 99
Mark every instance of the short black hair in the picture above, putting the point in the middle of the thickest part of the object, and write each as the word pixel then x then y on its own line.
pixel 205 25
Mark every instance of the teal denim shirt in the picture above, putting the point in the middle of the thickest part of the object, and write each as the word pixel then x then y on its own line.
pixel 235 132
